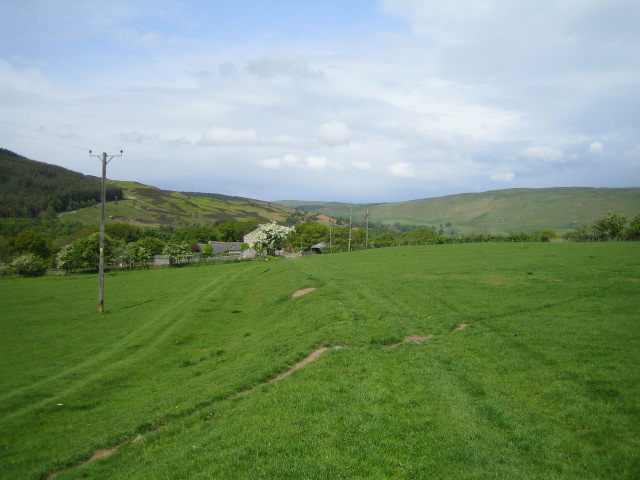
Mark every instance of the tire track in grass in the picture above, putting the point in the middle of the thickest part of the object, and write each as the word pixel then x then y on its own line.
pixel 374 295
pixel 313 356
pixel 155 330
pixel 107 452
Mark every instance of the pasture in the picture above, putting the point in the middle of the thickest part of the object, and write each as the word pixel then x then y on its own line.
pixel 524 362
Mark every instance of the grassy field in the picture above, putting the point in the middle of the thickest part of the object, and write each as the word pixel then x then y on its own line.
pixel 173 380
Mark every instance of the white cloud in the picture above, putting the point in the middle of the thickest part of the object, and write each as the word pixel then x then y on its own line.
pixel 403 170
pixel 596 148
pixel 546 154
pixel 503 176
pixel 363 166
pixel 278 63
pixel 333 133
pixel 230 138
pixel 315 163
pixel 25 80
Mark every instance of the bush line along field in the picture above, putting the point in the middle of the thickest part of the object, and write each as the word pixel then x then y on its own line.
pixel 543 383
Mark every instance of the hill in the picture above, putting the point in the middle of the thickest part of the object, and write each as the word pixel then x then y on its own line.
pixel 497 211
pixel 151 206
pixel 28 187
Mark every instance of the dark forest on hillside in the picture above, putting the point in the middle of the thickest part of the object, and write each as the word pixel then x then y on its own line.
pixel 28 187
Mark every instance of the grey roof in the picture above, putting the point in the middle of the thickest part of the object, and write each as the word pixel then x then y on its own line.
pixel 221 247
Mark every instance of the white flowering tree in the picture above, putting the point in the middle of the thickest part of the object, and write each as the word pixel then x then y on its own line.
pixel 270 237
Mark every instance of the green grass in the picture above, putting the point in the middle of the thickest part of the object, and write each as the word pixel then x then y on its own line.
pixel 543 383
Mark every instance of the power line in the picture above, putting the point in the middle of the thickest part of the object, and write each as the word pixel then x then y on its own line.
pixel 153 162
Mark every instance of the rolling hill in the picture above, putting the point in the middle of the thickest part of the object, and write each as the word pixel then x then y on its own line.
pixel 28 187
pixel 145 205
pixel 498 211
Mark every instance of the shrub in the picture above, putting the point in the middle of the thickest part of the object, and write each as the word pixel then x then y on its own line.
pixel 4 269
pixel 29 265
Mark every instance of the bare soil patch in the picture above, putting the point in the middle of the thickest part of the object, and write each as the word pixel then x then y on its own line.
pixel 313 356
pixel 302 292
pixel 410 339
pixel 98 454
pixel 462 326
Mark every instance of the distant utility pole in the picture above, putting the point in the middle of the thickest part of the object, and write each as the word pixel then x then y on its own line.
pixel 103 157
pixel 350 217
pixel 366 244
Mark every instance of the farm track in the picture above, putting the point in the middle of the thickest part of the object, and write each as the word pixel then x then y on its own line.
pixel 151 333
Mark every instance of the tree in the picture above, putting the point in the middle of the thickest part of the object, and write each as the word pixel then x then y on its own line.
pixel 86 251
pixel 29 265
pixel 633 232
pixel 227 232
pixel 271 237
pixel 122 231
pixel 610 226
pixel 306 235
pixel 68 258
pixel 543 235
pixel 30 241
pixel 176 250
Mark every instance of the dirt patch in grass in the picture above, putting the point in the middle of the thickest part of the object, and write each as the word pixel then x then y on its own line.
pixel 299 293
pixel 422 338
pixel 410 339
pixel 313 356
pixel 97 455
pixel 462 326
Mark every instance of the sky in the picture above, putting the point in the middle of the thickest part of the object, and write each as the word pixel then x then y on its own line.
pixel 333 100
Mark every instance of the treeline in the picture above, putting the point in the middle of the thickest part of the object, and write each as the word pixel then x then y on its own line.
pixel 28 246
pixel 28 187
pixel 612 226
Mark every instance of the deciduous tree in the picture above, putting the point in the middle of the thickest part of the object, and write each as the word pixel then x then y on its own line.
pixel 271 237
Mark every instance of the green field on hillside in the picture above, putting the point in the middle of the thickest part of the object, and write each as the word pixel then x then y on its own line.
pixel 466 361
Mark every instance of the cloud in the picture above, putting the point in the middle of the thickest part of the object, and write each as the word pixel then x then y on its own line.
pixel 403 170
pixel 224 137
pixel 315 163
pixel 546 154
pixel 333 133
pixel 596 148
pixel 24 80
pixel 503 176
pixel 279 63
pixel 363 166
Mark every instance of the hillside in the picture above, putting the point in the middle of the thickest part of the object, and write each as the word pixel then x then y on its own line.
pixel 497 211
pixel 28 187
pixel 151 206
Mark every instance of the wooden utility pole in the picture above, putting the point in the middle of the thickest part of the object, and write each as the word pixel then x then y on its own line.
pixel 366 244
pixel 103 216
pixel 350 215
